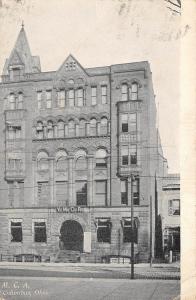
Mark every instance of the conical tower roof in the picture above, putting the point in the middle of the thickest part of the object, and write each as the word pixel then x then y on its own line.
pixel 21 55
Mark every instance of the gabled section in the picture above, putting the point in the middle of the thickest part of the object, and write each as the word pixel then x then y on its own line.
pixel 70 66
pixel 20 59
pixel 15 59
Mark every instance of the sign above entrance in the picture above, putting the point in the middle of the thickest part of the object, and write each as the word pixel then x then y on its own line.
pixel 71 209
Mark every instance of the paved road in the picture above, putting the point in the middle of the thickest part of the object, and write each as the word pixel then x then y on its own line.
pixel 87 289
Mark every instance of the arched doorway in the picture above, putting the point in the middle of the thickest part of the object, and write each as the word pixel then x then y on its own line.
pixel 72 236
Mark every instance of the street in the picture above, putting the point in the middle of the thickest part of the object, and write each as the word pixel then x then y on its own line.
pixel 17 288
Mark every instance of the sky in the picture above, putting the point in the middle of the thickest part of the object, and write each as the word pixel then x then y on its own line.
pixel 106 32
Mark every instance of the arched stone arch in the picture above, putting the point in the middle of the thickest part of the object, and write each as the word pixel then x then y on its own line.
pixel 38 119
pixel 60 118
pixel 136 80
pixel 63 218
pixel 51 118
pixel 77 146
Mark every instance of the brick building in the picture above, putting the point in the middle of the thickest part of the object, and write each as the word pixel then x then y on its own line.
pixel 70 140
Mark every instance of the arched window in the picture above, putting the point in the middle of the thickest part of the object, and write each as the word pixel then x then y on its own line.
pixel 101 158
pixel 61 161
pixel 134 91
pixel 12 101
pixel 50 129
pixel 93 127
pixel 81 163
pixel 71 128
pixel 39 130
pixel 104 126
pixel 124 92
pixel 42 161
pixel 60 129
pixel 82 127
pixel 20 101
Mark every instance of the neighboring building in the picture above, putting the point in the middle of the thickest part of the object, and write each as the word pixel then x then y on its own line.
pixel 70 140
pixel 170 212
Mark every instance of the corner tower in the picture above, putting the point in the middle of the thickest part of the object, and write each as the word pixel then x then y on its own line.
pixel 20 60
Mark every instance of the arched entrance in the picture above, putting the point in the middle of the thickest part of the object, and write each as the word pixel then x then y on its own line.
pixel 72 236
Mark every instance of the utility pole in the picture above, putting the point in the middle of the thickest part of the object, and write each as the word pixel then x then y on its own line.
pixel 151 231
pixel 132 229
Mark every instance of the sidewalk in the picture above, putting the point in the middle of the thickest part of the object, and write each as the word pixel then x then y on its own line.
pixel 142 271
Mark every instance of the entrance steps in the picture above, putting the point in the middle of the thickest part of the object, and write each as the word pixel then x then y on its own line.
pixel 67 256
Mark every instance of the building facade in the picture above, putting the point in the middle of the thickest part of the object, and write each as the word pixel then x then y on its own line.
pixel 169 211
pixel 71 141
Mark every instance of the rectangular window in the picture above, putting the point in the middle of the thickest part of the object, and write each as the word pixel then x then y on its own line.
pixel 104 94
pixel 61 193
pixel 128 234
pixel 49 99
pixel 16 231
pixel 80 97
pixel 39 99
pixel 132 122
pixel 136 192
pixel 40 232
pixel 94 95
pixel 71 98
pixel 124 194
pixel 133 154
pixel 124 123
pixel 174 207
pixel 124 155
pixel 104 230
pixel 43 194
pixel 15 164
pixel 81 192
pixel 61 98
pixel 14 132
pixel 101 192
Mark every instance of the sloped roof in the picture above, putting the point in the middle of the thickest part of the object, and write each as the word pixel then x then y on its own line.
pixel 21 54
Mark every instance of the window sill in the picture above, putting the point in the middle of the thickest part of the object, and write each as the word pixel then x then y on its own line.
pixel 39 243
pixel 16 243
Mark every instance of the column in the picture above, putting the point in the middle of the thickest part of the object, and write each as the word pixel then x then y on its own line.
pixel 129 190
pixel 55 131
pixel 35 184
pixel 90 181
pixel 109 201
pixel 45 131
pixel 71 182
pixel 51 181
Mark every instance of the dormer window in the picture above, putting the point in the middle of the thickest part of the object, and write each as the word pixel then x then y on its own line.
pixel 15 72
